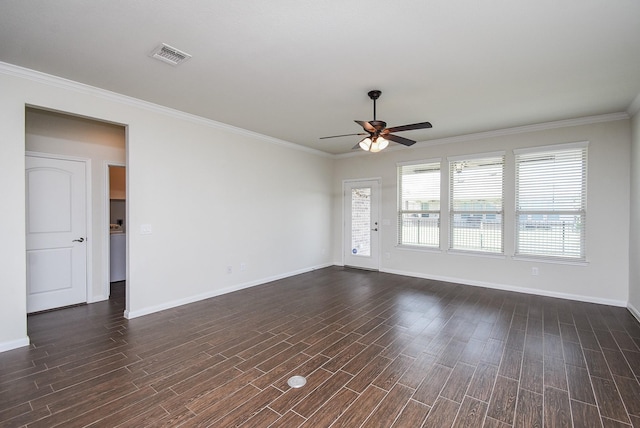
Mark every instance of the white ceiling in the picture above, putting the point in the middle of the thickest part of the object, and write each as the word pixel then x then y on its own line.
pixel 297 70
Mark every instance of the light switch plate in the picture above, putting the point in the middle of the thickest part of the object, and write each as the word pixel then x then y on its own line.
pixel 145 229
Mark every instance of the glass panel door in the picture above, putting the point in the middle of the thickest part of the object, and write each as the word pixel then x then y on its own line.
pixel 361 224
pixel 361 221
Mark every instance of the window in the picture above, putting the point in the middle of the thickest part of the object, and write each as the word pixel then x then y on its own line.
pixel 476 203
pixel 419 204
pixel 361 221
pixel 551 192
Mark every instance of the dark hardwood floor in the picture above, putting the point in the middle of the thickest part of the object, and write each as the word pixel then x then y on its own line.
pixel 377 350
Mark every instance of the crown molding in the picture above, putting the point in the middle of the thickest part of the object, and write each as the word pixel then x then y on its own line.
pixel 62 83
pixel 587 120
pixel 634 107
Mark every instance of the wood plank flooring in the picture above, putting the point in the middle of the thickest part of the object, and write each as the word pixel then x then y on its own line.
pixel 377 350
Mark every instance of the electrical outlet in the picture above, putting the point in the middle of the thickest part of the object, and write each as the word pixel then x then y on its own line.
pixel 534 271
pixel 243 267
pixel 229 269
pixel 145 229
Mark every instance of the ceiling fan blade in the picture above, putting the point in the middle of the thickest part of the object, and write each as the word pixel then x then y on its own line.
pixel 343 135
pixel 357 146
pixel 366 125
pixel 400 140
pixel 421 125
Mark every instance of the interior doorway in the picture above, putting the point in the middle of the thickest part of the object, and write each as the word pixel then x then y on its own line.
pixel 99 144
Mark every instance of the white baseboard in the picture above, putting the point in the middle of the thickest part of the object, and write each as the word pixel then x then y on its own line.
pixel 14 344
pixel 535 291
pixel 634 311
pixel 218 292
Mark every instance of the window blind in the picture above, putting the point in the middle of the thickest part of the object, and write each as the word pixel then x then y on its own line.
pixel 551 203
pixel 476 204
pixel 419 204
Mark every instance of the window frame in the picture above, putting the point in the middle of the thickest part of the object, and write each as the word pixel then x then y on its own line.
pixel 427 163
pixel 582 211
pixel 452 161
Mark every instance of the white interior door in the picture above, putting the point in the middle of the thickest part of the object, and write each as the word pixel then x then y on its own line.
pixel 56 233
pixel 361 205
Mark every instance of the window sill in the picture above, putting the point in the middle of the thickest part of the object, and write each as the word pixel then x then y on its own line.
pixel 550 260
pixel 477 254
pixel 419 248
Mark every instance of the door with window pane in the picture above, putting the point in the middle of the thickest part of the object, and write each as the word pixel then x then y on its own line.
pixel 362 226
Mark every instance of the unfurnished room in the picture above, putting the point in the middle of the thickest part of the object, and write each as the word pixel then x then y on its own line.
pixel 320 214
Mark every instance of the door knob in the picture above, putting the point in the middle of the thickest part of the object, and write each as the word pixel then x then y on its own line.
pixel 375 230
pixel 78 240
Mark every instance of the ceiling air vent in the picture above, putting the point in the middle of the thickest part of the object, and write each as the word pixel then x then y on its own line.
pixel 169 54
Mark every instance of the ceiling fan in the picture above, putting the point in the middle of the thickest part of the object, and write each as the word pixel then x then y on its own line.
pixel 378 133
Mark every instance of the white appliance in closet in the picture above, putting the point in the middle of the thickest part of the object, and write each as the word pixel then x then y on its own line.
pixel 118 257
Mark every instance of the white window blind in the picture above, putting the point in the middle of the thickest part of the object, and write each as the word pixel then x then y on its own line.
pixel 476 204
pixel 419 204
pixel 551 192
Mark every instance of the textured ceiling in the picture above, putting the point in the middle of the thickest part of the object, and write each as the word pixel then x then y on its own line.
pixel 298 70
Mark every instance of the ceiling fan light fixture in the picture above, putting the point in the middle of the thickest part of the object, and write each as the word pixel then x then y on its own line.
pixel 373 144
pixel 378 144
pixel 365 144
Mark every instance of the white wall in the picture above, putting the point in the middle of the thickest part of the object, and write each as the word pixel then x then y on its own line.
pixel 13 305
pixel 216 199
pixel 48 132
pixel 604 279
pixel 634 234
pixel 215 196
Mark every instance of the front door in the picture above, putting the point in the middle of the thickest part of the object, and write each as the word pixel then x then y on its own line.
pixel 361 245
pixel 56 233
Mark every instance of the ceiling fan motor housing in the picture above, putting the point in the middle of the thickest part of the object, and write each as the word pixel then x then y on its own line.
pixel 375 94
pixel 378 125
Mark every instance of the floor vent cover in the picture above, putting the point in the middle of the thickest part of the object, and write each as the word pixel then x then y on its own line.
pixel 169 54
pixel 297 381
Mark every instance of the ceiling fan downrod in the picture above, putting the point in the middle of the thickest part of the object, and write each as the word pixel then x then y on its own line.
pixel 374 95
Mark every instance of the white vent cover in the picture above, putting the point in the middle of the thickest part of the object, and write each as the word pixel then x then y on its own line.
pixel 169 54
